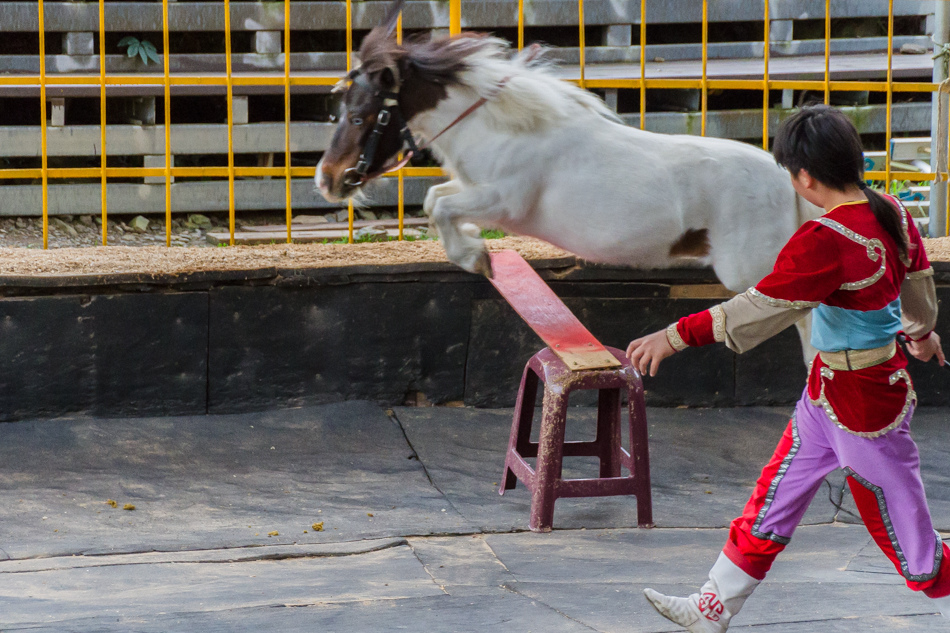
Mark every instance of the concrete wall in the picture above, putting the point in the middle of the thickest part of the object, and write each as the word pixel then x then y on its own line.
pixel 241 341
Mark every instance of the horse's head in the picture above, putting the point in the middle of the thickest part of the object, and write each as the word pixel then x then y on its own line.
pixel 368 134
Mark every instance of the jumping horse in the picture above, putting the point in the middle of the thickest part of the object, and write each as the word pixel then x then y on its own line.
pixel 534 155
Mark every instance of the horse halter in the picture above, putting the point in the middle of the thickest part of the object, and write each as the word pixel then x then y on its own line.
pixel 356 176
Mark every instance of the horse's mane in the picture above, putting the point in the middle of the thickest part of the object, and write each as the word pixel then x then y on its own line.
pixel 532 97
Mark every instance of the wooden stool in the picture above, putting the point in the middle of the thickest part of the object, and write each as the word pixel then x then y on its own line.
pixel 544 481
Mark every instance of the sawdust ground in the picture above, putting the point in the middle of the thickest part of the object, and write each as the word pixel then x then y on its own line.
pixel 938 248
pixel 163 260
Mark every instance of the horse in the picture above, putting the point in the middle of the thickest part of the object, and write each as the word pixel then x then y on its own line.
pixel 533 155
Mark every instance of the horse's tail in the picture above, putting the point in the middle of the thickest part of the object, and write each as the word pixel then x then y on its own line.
pixel 805 210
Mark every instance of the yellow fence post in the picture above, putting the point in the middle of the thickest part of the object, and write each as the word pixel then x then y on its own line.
pixel 827 52
pixel 167 88
pixel 765 82
pixel 520 24
pixel 349 65
pixel 400 184
pixel 44 164
pixel 890 95
pixel 287 181
pixel 230 91
pixel 643 64
pixel 102 121
pixel 580 20
pixel 705 81
pixel 455 17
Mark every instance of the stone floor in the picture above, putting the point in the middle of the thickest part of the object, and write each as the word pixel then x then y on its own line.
pixel 349 517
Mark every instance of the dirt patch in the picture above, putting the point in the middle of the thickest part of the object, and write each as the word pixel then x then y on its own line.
pixel 938 248
pixel 164 260
pixel 178 260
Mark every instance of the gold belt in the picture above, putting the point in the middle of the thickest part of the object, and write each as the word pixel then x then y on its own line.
pixel 851 359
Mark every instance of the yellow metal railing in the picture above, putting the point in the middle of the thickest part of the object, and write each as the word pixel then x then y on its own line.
pixel 641 82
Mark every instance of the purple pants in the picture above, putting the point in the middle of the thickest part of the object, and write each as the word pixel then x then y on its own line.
pixel 884 474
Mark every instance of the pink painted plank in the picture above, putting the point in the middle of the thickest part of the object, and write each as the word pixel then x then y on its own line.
pixel 546 314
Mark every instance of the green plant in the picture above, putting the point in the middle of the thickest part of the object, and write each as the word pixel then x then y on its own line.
pixel 143 48
pixel 897 186
pixel 944 56
pixel 492 234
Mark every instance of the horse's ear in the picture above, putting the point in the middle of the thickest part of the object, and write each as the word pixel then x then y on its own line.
pixel 344 83
pixel 393 16
pixel 387 78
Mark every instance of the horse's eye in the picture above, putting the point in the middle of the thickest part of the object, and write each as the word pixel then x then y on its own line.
pixel 357 121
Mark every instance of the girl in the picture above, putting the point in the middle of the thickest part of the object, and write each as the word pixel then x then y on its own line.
pixel 862 272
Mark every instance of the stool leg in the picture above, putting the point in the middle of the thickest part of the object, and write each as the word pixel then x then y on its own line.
pixel 608 432
pixel 520 437
pixel 550 459
pixel 640 456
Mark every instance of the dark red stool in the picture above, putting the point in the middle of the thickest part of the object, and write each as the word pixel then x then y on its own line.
pixel 544 481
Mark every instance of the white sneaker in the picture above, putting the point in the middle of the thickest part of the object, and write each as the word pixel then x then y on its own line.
pixel 682 611
pixel 710 610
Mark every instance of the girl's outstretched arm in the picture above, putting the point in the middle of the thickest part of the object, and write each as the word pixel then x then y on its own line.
pixel 647 352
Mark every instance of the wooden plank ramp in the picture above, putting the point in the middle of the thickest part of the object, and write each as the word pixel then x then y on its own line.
pixel 546 314
pixel 280 237
pixel 305 233
pixel 329 226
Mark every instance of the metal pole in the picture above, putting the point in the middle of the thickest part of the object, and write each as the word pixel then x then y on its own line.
pixel 938 190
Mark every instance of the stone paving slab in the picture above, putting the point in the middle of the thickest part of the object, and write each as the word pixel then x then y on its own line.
pixel 704 463
pixel 853 608
pixel 817 554
pixel 230 480
pixel 140 591
pixel 497 610
pixel 207 482
pixel 569 580
pixel 596 577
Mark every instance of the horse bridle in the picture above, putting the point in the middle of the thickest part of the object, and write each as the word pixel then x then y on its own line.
pixel 355 176
pixel 390 112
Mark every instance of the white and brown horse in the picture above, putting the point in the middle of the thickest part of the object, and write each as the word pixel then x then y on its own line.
pixel 537 156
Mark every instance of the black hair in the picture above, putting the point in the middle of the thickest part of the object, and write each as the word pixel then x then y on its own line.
pixel 823 141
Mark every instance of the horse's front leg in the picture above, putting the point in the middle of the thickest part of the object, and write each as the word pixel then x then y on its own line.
pixel 463 246
pixel 449 188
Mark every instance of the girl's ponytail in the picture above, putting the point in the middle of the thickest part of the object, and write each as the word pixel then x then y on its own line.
pixel 888 215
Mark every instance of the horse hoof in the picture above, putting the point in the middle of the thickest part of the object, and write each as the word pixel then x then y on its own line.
pixel 483 265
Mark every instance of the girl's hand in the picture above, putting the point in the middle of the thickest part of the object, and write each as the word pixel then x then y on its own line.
pixel 647 352
pixel 924 350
